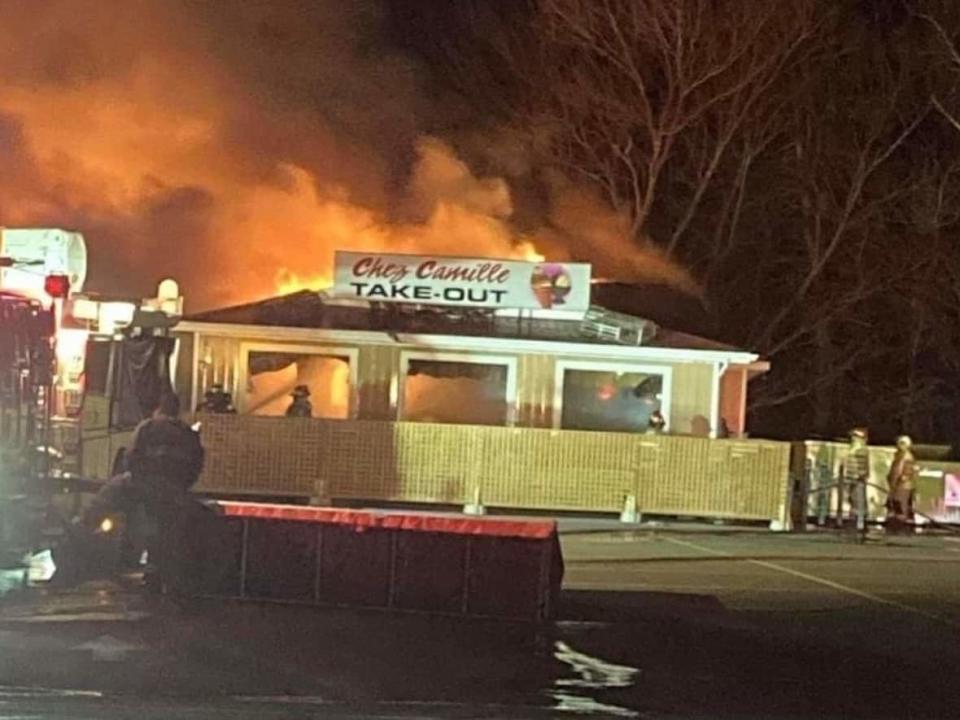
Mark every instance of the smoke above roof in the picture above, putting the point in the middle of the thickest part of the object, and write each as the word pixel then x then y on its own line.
pixel 236 145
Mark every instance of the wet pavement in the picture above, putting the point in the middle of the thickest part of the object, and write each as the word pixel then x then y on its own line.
pixel 655 624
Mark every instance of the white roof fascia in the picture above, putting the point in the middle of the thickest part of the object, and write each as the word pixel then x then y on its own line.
pixel 279 332
pixel 553 347
pixel 471 342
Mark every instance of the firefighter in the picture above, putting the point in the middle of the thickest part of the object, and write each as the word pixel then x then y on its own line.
pixel 656 423
pixel 217 400
pixel 855 472
pixel 164 462
pixel 300 406
pixel 901 482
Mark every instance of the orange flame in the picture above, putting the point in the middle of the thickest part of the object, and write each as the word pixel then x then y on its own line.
pixel 154 167
pixel 136 129
pixel 290 282
pixel 529 252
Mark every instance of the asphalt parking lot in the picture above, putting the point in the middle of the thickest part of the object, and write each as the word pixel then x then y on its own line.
pixel 915 576
pixel 683 622
pixel 824 624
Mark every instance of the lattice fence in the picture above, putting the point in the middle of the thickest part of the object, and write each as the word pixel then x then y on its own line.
pixel 511 467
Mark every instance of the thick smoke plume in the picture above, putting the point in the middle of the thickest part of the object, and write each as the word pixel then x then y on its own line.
pixel 235 145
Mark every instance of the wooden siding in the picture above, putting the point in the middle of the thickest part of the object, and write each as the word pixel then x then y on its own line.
pixel 377 371
pixel 535 389
pixel 691 397
pixel 379 367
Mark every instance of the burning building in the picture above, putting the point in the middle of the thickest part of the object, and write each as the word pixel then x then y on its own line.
pixel 456 381
pixel 472 362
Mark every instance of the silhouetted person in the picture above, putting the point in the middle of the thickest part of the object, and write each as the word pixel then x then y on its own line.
pixel 724 430
pixel 162 464
pixel 699 426
pixel 165 460
pixel 656 423
pixel 300 406
pixel 216 400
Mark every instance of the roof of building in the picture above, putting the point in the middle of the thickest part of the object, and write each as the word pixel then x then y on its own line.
pixel 666 305
pixel 308 309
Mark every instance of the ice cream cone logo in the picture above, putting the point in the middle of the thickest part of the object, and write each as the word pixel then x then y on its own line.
pixel 551 284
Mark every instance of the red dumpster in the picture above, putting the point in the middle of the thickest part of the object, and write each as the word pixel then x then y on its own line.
pixel 404 561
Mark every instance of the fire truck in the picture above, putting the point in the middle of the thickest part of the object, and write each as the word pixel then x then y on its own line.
pixel 56 342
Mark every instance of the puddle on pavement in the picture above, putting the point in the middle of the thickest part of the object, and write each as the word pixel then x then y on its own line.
pixel 475 664
pixel 12 580
pixel 623 657
pixel 591 676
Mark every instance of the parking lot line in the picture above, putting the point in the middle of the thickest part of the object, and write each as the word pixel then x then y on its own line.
pixel 819 580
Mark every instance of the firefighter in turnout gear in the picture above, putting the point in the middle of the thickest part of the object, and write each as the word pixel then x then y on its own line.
pixel 901 483
pixel 855 472
pixel 217 401
pixel 300 406
pixel 856 465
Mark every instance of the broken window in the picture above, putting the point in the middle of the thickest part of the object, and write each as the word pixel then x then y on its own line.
pixel 272 377
pixel 443 391
pixel 610 400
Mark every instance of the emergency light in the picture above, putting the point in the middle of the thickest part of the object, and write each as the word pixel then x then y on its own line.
pixel 57 286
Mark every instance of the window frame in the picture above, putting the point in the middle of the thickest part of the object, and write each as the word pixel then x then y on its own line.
pixel 351 354
pixel 561 367
pixel 509 361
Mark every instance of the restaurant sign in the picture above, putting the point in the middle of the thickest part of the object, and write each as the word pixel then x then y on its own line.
pixel 465 282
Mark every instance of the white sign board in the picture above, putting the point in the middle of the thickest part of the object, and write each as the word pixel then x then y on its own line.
pixel 465 282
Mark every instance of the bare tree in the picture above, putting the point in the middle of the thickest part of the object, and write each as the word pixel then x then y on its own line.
pixel 622 88
pixel 834 200
pixel 929 287
pixel 844 165
pixel 795 156
pixel 941 18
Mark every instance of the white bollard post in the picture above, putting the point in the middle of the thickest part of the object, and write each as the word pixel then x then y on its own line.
pixel 476 507
pixel 629 513
pixel 918 522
